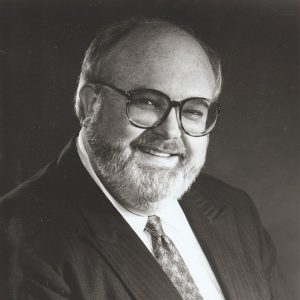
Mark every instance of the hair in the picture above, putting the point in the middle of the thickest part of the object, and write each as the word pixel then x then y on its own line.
pixel 110 34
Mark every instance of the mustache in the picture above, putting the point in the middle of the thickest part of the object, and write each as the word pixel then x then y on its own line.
pixel 174 146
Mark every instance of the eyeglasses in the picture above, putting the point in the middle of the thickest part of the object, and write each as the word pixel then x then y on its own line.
pixel 148 108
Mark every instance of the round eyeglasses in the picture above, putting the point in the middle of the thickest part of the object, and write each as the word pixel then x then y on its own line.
pixel 148 108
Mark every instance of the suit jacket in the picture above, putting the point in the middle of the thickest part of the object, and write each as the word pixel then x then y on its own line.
pixel 62 239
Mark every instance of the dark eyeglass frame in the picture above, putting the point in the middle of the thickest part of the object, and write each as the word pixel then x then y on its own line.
pixel 171 103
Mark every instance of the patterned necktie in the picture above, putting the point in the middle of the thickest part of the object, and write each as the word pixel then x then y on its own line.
pixel 170 260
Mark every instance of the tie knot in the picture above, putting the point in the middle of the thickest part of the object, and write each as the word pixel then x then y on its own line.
pixel 154 227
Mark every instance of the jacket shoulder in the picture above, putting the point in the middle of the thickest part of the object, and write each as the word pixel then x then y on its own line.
pixel 35 206
pixel 222 193
pixel 23 200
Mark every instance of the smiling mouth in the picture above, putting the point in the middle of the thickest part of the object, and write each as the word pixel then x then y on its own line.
pixel 157 152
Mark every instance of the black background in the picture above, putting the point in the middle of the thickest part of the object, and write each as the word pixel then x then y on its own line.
pixel 256 143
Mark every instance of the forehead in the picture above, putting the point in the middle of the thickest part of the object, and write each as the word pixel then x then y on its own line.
pixel 158 56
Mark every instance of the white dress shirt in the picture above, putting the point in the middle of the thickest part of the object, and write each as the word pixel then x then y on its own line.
pixel 175 226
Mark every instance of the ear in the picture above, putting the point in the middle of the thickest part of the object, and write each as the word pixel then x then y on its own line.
pixel 89 99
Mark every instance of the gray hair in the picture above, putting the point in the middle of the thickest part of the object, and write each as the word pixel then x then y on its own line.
pixel 111 34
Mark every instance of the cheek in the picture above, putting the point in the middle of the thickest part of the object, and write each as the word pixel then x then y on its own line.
pixel 197 146
pixel 115 125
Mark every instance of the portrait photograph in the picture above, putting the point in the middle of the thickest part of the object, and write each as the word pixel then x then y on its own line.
pixel 149 150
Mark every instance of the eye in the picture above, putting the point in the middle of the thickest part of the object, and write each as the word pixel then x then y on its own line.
pixel 196 112
pixel 146 101
pixel 193 112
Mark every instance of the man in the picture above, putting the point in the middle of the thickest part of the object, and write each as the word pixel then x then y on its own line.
pixel 115 216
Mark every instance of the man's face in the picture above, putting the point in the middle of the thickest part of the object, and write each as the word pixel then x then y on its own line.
pixel 145 168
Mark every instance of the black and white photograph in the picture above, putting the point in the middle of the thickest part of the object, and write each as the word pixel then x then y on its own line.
pixel 149 150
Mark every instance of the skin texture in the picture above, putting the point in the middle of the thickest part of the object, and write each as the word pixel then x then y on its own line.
pixel 157 57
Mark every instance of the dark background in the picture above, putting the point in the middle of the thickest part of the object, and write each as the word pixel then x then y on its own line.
pixel 256 144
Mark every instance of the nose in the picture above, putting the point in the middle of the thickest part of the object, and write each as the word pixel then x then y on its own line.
pixel 169 128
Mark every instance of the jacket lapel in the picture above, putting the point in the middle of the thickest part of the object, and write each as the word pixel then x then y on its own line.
pixel 215 227
pixel 104 229
pixel 114 239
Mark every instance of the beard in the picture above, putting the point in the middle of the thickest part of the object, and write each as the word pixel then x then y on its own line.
pixel 135 185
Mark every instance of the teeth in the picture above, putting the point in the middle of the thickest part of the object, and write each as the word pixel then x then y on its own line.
pixel 157 153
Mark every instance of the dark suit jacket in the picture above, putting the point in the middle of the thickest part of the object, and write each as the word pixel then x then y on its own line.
pixel 62 239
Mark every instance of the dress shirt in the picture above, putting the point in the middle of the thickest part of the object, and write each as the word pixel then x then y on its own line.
pixel 175 226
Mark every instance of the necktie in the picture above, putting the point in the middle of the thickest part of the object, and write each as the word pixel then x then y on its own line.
pixel 170 260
